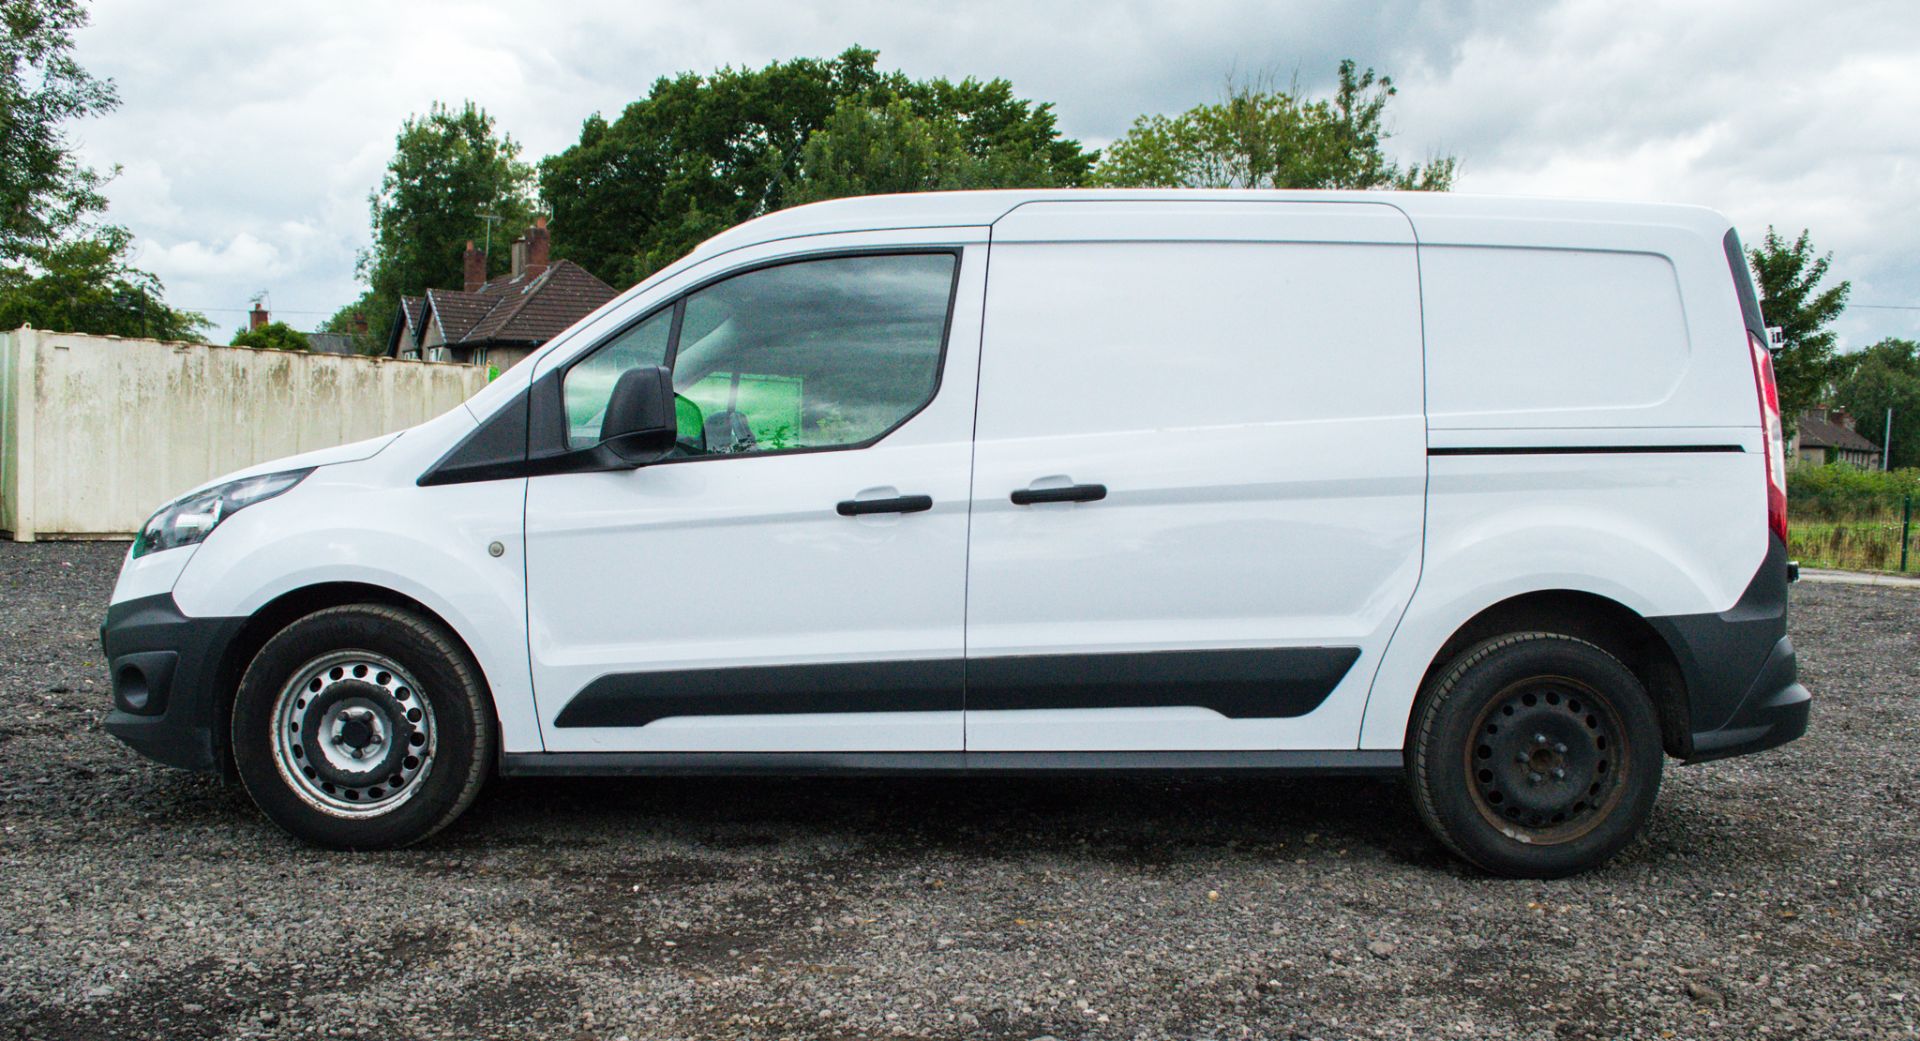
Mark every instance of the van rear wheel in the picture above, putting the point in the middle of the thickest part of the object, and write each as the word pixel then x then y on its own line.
pixel 362 727
pixel 1535 755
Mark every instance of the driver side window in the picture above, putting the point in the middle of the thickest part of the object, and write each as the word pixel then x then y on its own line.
pixel 590 382
pixel 810 354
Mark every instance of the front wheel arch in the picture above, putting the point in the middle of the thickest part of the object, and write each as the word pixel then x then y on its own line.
pixel 290 607
pixel 385 726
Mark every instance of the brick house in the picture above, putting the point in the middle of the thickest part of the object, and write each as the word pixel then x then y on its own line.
pixel 1825 435
pixel 500 321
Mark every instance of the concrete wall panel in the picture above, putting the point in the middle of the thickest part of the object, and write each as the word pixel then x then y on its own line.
pixel 96 432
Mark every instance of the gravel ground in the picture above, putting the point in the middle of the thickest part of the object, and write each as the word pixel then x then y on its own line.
pixel 1777 895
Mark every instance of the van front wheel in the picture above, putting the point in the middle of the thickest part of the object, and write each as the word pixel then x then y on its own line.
pixel 362 727
pixel 1535 755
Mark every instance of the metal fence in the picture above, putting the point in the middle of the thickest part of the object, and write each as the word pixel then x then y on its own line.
pixel 1877 539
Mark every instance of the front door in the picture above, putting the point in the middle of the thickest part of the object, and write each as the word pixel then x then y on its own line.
pixel 792 577
pixel 1199 476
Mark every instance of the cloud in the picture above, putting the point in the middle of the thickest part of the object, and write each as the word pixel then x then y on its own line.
pixel 1772 115
pixel 250 133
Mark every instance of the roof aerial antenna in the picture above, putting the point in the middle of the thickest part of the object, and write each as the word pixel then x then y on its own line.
pixel 491 219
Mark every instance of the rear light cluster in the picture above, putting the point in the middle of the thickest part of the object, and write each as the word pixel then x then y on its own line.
pixel 1775 446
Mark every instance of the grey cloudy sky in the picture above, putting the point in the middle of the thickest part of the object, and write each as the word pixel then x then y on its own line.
pixel 250 133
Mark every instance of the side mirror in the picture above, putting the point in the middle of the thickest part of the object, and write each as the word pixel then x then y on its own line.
pixel 640 422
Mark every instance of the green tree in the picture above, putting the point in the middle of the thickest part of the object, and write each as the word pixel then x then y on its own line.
pixel 45 193
pixel 59 270
pixel 1016 141
pixel 701 153
pixel 1881 377
pixel 449 167
pixel 273 336
pixel 1789 276
pixel 379 315
pixel 867 149
pixel 86 285
pixel 1258 137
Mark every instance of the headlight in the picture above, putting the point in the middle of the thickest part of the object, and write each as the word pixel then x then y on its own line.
pixel 188 521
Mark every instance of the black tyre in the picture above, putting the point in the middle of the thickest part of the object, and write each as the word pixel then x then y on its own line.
pixel 1535 755
pixel 362 727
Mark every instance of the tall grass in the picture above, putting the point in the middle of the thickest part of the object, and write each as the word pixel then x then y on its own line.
pixel 1842 517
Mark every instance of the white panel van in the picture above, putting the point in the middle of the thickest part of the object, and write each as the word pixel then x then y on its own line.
pixel 1485 493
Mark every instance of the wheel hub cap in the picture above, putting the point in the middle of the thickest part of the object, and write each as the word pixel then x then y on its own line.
pixel 352 735
pixel 1546 759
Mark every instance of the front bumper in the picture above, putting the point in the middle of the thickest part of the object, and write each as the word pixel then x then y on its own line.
pixel 169 681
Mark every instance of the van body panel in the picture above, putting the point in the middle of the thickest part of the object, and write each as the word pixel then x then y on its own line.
pixel 367 523
pixel 1204 220
pixel 1578 443
pixel 1541 337
pixel 1257 496
pixel 1560 340
pixel 738 577
pixel 1661 533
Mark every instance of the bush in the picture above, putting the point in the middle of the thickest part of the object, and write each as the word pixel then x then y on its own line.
pixel 276 336
pixel 1839 492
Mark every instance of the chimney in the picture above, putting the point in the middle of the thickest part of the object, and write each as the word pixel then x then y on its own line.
pixel 257 317
pixel 537 245
pixel 517 254
pixel 476 267
pixel 359 323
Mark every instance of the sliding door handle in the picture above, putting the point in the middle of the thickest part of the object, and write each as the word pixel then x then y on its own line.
pixel 897 504
pixel 1071 493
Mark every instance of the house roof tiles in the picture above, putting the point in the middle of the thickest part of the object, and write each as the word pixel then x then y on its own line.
pixel 513 309
pixel 1822 433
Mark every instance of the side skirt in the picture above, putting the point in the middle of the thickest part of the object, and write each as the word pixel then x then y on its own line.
pixel 601 764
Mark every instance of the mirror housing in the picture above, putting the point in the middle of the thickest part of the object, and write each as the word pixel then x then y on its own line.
pixel 640 423
pixel 528 437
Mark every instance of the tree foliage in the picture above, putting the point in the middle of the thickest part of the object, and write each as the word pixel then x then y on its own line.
pixel 86 285
pixel 700 154
pixel 273 336
pixel 58 269
pixel 1258 137
pixel 449 167
pixel 1881 377
pixel 1839 492
pixel 1789 276
pixel 45 193
pixel 933 144
pixel 379 315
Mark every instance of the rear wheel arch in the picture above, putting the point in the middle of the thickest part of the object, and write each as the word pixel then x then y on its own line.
pixel 290 607
pixel 1606 623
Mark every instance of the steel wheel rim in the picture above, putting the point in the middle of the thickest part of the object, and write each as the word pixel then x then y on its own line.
pixel 1547 760
pixel 352 734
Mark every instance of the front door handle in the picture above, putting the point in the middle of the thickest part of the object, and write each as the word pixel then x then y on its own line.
pixel 897 504
pixel 1071 493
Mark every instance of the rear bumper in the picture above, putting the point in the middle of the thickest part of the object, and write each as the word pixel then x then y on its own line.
pixel 1774 712
pixel 1743 693
pixel 168 690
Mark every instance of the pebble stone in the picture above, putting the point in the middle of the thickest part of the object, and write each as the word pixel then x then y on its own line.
pixel 1774 896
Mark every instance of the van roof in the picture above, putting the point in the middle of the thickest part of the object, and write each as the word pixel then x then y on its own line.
pixel 976 209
